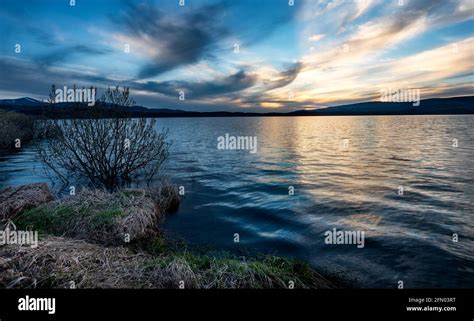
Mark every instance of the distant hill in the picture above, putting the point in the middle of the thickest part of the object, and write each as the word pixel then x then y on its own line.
pixel 21 102
pixel 36 107
pixel 434 106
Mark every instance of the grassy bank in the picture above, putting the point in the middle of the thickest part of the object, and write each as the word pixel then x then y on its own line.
pixel 98 239
pixel 57 262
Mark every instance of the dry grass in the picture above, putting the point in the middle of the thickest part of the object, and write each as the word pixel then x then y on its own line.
pixel 59 261
pixel 165 195
pixel 99 216
pixel 14 200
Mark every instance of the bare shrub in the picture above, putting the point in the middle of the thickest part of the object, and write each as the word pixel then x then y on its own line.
pixel 109 152
pixel 44 128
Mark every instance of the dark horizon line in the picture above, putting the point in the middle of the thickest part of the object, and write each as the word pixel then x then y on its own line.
pixel 429 106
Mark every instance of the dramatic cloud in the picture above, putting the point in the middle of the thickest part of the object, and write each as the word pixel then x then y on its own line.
pixel 284 78
pixel 309 55
pixel 67 53
pixel 233 83
pixel 178 42
pixel 25 77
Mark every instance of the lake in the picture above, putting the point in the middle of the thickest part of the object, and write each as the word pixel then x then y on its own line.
pixel 407 182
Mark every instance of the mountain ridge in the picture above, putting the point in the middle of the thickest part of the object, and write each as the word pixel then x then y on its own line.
pixel 431 106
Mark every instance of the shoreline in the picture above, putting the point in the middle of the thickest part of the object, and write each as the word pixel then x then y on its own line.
pixel 97 239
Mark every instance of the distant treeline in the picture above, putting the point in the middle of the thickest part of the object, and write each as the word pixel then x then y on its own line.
pixel 435 106
pixel 106 112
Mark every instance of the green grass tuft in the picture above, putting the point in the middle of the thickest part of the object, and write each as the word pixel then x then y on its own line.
pixel 45 219
pixel 106 218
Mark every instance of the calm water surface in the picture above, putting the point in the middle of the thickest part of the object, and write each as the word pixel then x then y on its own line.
pixel 407 237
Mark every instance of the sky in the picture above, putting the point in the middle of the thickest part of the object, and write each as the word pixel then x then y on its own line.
pixel 239 55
